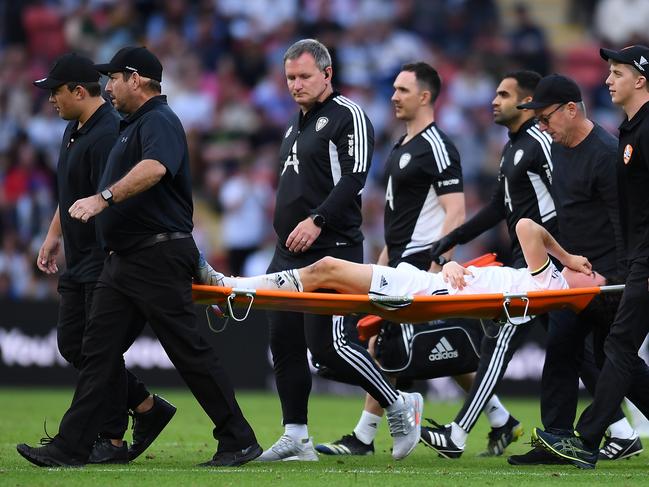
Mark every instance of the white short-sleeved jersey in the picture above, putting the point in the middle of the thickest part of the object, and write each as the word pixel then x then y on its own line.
pixel 407 280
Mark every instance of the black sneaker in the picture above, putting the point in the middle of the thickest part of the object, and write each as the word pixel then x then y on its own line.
pixel 234 458
pixel 47 456
pixel 536 456
pixel 147 426
pixel 439 439
pixel 500 438
pixel 570 448
pixel 347 445
pixel 103 451
pixel 618 448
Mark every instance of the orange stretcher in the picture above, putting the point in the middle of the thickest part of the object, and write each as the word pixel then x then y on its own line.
pixel 401 309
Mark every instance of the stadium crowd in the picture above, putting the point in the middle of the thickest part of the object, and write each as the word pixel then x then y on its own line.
pixel 224 79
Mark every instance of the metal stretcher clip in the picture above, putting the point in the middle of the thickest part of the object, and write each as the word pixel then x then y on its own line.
pixel 229 313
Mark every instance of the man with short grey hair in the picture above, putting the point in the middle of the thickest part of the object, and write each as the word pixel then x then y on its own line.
pixel 324 159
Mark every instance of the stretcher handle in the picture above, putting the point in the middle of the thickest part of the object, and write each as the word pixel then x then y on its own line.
pixel 507 302
pixel 209 317
pixel 248 293
pixel 613 288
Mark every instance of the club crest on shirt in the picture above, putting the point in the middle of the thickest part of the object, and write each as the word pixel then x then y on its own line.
pixel 288 131
pixel 319 125
pixel 628 150
pixel 518 156
pixel 404 160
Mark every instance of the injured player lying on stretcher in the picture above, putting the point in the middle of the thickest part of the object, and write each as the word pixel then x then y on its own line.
pixel 352 278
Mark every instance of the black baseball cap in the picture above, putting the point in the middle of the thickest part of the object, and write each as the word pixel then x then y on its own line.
pixel 69 68
pixel 554 88
pixel 135 60
pixel 636 56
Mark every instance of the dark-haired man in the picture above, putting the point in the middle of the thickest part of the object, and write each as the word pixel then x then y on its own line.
pixel 424 200
pixel 144 216
pixel 623 373
pixel 75 93
pixel 523 191
pixel 585 193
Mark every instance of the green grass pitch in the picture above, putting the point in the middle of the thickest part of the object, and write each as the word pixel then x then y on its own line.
pixel 171 460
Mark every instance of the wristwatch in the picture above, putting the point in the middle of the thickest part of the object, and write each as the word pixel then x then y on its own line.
pixel 107 194
pixel 318 220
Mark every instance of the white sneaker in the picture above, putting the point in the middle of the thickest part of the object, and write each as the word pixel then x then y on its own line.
pixel 286 448
pixel 405 425
pixel 207 275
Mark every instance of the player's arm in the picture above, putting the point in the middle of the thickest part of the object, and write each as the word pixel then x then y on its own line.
pixel 537 243
pixel 46 260
pixel 163 148
pixel 354 143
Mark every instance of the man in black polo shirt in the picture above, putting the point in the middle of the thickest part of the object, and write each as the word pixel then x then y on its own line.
pixel 324 158
pixel 624 373
pixel 94 125
pixel 144 214
pixel 584 187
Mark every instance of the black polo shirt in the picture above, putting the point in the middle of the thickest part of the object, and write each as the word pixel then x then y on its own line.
pixel 152 132
pixel 633 183
pixel 82 159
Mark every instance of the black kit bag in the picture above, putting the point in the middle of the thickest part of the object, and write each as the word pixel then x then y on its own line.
pixel 439 348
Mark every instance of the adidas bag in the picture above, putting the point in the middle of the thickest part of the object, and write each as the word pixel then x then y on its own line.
pixel 437 349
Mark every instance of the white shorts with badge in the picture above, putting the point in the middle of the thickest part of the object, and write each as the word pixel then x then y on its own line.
pixel 407 280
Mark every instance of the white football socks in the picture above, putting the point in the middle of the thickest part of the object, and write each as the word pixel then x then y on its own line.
pixel 284 280
pixel 367 427
pixel 496 413
pixel 297 432
pixel 458 435
pixel 622 429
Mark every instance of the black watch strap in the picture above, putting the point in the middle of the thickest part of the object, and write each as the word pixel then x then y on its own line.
pixel 318 220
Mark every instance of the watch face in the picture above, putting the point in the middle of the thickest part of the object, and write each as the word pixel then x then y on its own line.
pixel 318 220
pixel 107 194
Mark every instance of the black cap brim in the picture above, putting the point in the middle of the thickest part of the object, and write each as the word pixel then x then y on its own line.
pixel 48 83
pixel 533 105
pixel 607 54
pixel 106 68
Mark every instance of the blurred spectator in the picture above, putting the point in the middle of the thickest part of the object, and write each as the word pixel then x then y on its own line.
pixel 43 25
pixel 528 44
pixel 622 22
pixel 244 199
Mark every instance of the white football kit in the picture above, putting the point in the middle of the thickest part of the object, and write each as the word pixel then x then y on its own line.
pixel 407 280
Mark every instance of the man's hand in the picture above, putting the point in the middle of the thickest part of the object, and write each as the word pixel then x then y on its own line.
pixel 442 246
pixel 453 273
pixel 85 208
pixel 580 264
pixel 303 235
pixel 46 260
